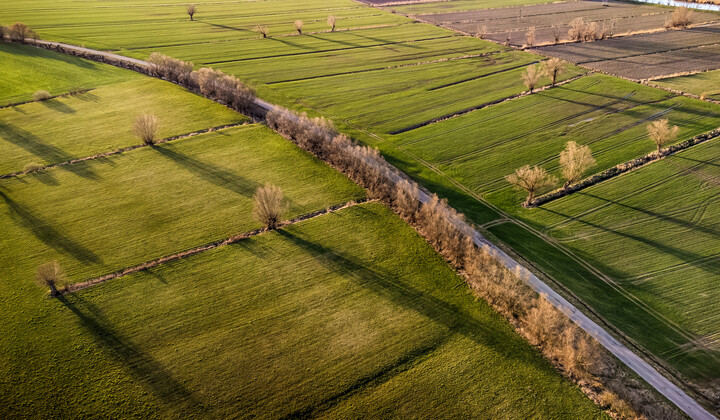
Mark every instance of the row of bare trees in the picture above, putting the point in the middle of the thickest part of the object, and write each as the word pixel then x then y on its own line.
pixel 576 160
pixel 213 84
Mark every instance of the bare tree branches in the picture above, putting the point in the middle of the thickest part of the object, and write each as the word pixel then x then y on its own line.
pixel 268 205
pixel 661 133
pixel 191 10
pixel 51 275
pixel 531 180
pixel 575 160
pixel 146 127
pixel 531 77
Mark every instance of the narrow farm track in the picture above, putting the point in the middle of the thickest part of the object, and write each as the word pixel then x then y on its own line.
pixel 646 371
pixel 207 247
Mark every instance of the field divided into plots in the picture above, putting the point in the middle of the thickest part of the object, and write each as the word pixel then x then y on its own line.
pixel 707 83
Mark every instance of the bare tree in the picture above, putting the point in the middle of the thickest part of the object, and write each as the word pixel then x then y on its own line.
pixel 681 17
pixel 146 128
pixel 575 160
pixel 530 37
pixel 263 30
pixel 531 77
pixel 481 31
pixel 51 275
pixel 41 95
pixel 553 68
pixel 299 25
pixel 661 133
pixel 556 34
pixel 191 9
pixel 577 29
pixel 19 32
pixel 268 205
pixel 531 180
pixel 331 23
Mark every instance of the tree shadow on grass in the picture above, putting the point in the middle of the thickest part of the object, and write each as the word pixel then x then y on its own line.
pixel 143 366
pixel 59 106
pixel 211 173
pixel 36 146
pixel 43 231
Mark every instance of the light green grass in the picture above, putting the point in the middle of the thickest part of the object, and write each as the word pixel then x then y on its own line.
pixel 102 215
pixel 707 83
pixel 459 5
pixel 27 70
pixel 100 121
pixel 325 317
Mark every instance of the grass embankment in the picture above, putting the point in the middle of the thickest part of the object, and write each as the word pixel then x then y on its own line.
pixel 26 70
pixel 707 83
pixel 102 215
pixel 326 317
pixel 101 120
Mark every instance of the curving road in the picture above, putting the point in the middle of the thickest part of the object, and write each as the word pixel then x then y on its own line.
pixel 664 386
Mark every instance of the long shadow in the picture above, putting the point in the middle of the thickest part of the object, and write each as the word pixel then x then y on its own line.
pixel 48 234
pixel 282 40
pixel 231 28
pixel 28 51
pixel 142 366
pixel 35 145
pixel 58 106
pixel 211 173
pixel 704 162
pixel 712 267
pixel 336 41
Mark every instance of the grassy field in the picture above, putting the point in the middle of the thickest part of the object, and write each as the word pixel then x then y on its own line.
pixel 159 200
pixel 324 318
pixel 26 70
pixel 707 83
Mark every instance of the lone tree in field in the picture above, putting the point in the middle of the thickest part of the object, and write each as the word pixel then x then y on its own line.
pixel 146 127
pixel 661 133
pixel 191 9
pixel 331 23
pixel 263 30
pixel 20 32
pixel 299 25
pixel 681 17
pixel 553 68
pixel 531 77
pixel 268 205
pixel 531 180
pixel 50 275
pixel 575 160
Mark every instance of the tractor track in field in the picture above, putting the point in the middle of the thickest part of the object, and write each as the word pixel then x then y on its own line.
pixel 630 358
pixel 121 150
pixel 207 247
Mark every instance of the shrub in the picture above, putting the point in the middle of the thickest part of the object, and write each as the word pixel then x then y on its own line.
pixel 41 95
pixel 51 275
pixel 172 69
pixel 263 30
pixel 661 133
pixel 575 160
pixel 191 10
pixel 75 91
pixel 681 17
pixel 481 31
pixel 146 127
pixel 331 22
pixel 531 77
pixel 531 180
pixel 268 205
pixel 298 26
pixel 32 167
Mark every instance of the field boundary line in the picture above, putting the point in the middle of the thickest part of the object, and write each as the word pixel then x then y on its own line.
pixel 207 247
pixel 486 105
pixel 645 370
pixel 62 95
pixel 624 167
pixel 121 150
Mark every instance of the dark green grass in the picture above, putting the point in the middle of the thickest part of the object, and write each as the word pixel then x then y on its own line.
pixel 101 120
pixel 27 70
pixel 102 215
pixel 324 318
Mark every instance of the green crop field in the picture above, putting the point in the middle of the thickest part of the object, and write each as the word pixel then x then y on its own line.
pixel 324 318
pixel 707 83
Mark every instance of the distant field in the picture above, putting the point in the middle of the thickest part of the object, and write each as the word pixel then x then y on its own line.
pixel 707 83
pixel 26 70
pixel 325 317
pixel 415 8
pixel 102 215
pixel 647 55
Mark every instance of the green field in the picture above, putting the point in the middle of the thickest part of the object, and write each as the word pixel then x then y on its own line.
pixel 324 318
pixel 707 83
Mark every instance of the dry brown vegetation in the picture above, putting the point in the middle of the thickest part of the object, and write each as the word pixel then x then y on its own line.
pixel 268 205
pixel 531 179
pixel 20 32
pixel 191 9
pixel 682 17
pixel 661 133
pixel 575 160
pixel 589 31
pixel 331 22
pixel 531 76
pixel 553 68
pixel 213 84
pixel 578 356
pixel 41 95
pixel 51 275
pixel 530 37
pixel 146 127
pixel 299 25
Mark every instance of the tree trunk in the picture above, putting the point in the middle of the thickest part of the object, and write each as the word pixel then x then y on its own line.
pixel 53 290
